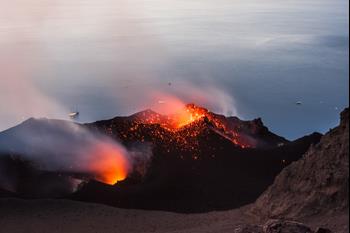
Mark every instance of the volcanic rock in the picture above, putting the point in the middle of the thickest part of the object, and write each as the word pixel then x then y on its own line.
pixel 149 125
pixel 196 168
pixel 249 229
pixel 280 226
pixel 317 183
pixel 212 163
pixel 323 230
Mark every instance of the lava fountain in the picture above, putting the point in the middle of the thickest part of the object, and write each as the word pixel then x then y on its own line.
pixel 109 163
pixel 184 115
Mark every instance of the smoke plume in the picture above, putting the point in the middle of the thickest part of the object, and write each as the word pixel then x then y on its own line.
pixel 67 148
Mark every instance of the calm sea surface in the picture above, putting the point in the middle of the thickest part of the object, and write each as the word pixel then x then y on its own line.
pixel 105 57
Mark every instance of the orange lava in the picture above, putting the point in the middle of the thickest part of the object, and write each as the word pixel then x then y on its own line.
pixel 110 163
pixel 173 112
pixel 188 114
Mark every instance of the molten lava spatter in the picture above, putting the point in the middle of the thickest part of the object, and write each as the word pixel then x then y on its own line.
pixel 190 114
pixel 186 116
pixel 182 133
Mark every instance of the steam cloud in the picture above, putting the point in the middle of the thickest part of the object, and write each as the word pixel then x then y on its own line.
pixel 68 148
pixel 39 40
pixel 57 54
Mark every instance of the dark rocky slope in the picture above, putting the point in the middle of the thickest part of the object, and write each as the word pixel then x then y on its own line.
pixel 197 168
pixel 317 183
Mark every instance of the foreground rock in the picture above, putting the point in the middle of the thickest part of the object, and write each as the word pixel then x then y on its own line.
pixel 279 226
pixel 316 184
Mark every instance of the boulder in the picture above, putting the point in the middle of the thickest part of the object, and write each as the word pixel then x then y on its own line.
pixel 281 226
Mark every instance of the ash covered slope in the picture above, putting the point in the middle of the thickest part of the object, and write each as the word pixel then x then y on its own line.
pixel 316 184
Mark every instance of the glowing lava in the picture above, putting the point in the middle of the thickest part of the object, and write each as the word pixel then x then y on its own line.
pixel 110 163
pixel 180 128
pixel 186 116
pixel 189 114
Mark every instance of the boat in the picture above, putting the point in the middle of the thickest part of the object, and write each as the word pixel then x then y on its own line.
pixel 73 115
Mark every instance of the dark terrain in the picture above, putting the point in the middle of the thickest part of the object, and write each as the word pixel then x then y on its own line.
pixel 317 184
pixel 307 193
pixel 213 163
pixel 313 190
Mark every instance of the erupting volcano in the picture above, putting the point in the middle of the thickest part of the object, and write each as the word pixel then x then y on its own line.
pixel 174 122
pixel 191 116
pixel 184 126
pixel 191 160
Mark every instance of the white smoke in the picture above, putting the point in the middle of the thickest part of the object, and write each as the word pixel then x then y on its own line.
pixel 51 50
pixel 71 149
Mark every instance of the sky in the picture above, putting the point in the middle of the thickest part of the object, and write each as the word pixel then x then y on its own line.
pixel 115 57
